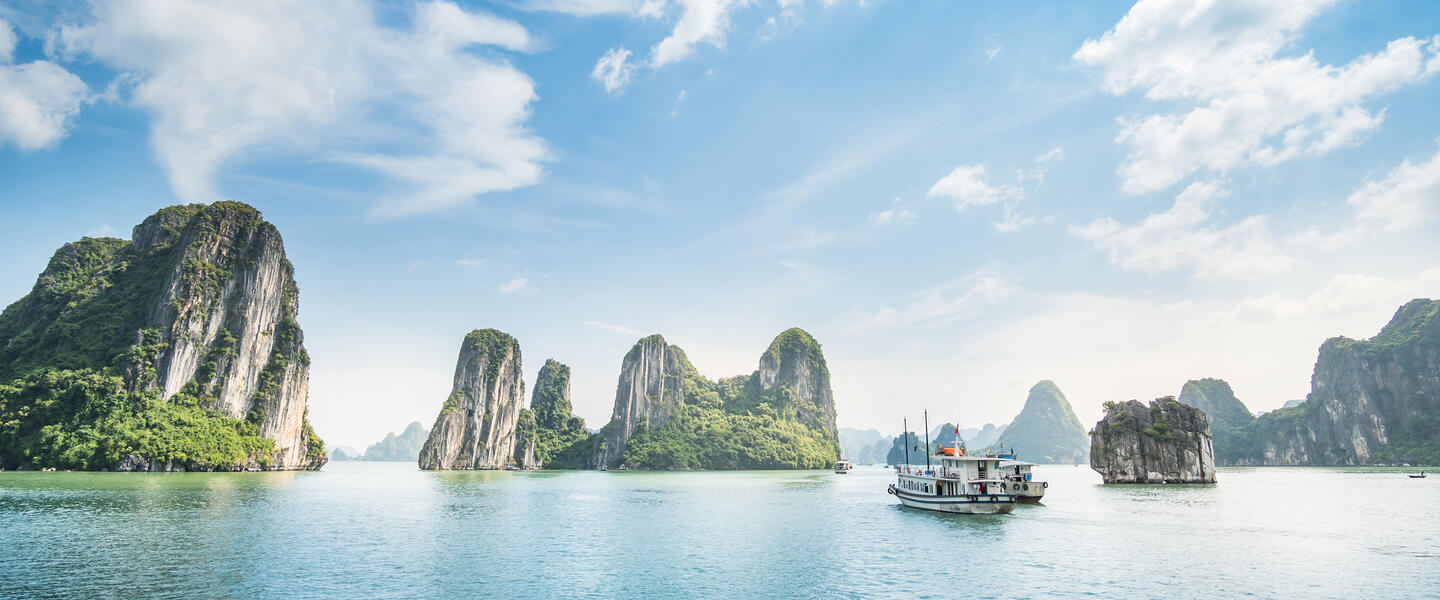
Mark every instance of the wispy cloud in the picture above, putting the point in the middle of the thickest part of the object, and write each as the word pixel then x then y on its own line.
pixel 469 262
pixel 938 305
pixel 519 284
pixel 220 80
pixel 614 328
pixel 1185 237
pixel 1243 103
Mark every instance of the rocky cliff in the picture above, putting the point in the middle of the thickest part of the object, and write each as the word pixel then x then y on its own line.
pixel 476 426
pixel 667 415
pixel 556 428
pixel 1371 401
pixel 200 310
pixel 1166 442
pixel 649 391
pixel 1046 430
pixel 1229 418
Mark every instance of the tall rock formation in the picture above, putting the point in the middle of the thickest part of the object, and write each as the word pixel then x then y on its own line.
pixel 476 426
pixel 793 372
pixel 1046 430
pixel 1371 401
pixel 556 428
pixel 1229 419
pixel 1166 442
pixel 199 308
pixel 781 416
pixel 649 391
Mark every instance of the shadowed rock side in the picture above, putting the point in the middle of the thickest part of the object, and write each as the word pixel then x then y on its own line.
pixel 476 426
pixel 1046 430
pixel 780 416
pixel 1166 442
pixel 200 309
pixel 1229 419
pixel 1371 401
pixel 559 435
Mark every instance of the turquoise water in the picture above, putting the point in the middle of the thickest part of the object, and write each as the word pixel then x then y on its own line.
pixel 388 530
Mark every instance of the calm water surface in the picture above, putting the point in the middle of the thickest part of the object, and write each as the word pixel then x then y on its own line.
pixel 388 530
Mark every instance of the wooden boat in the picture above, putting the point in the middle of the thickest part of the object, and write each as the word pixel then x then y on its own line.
pixel 1420 476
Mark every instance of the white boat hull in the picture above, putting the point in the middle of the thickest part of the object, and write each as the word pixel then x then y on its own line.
pixel 991 504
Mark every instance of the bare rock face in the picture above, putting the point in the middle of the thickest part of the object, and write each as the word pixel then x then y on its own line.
pixel 476 426
pixel 792 380
pixel 200 306
pixel 226 317
pixel 794 370
pixel 1371 401
pixel 649 391
pixel 1166 442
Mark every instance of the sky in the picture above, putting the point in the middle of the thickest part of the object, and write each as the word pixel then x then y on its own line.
pixel 957 199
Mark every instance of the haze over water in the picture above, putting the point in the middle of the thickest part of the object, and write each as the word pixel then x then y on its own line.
pixel 389 530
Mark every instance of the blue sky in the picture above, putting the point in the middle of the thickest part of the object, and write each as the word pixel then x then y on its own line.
pixel 957 198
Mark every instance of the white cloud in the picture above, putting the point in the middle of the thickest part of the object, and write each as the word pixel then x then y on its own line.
pixel 1058 154
pixel 1247 106
pixel 895 215
pixel 1182 237
pixel 1405 197
pixel 415 265
pixel 993 52
pixel 1013 220
pixel 937 305
pixel 101 230
pixel 221 81
pixel 520 283
pixel 38 99
pixel 582 8
pixel 470 262
pixel 1345 294
pixel 701 22
pixel 967 186
pixel 613 70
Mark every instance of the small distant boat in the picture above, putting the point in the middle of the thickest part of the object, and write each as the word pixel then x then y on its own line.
pixel 603 468
pixel 1420 476
pixel 511 468
pixel 843 467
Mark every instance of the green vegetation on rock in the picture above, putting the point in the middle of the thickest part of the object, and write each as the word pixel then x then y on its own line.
pixel 555 426
pixel 1046 430
pixel 78 375
pixel 779 417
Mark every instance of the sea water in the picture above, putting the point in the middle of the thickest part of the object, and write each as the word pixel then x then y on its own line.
pixel 388 530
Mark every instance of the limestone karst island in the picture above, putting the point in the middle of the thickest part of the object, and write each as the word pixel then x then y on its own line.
pixel 721 299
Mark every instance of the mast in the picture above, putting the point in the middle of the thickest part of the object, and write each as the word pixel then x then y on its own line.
pixel 927 440
pixel 905 433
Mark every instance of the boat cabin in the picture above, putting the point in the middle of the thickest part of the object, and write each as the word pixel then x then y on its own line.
pixel 953 476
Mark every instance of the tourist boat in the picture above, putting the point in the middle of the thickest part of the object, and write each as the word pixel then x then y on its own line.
pixel 955 483
pixel 1020 481
pixel 843 466
pixel 1420 476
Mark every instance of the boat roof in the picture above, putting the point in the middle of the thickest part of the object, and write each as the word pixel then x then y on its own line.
pixel 966 458
pixel 1010 462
